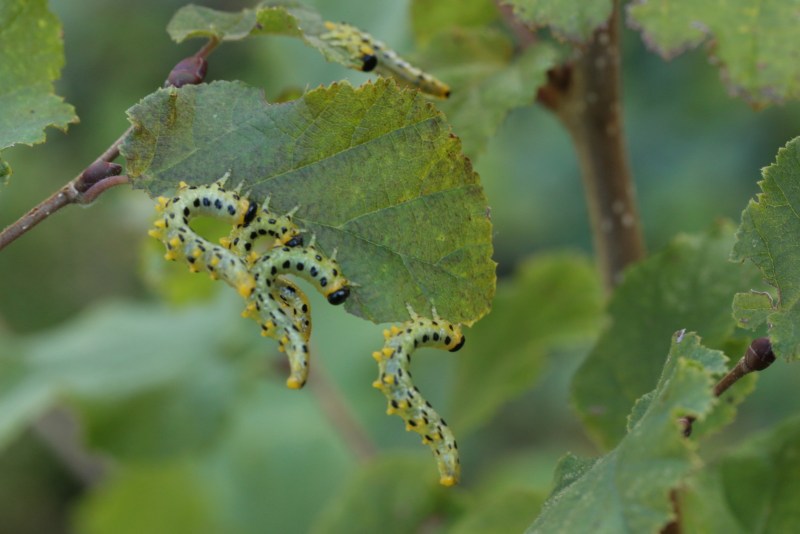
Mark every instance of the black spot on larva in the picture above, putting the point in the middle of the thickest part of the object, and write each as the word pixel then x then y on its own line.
pixel 416 343
pixel 287 264
pixel 284 230
pixel 172 216
pixel 444 423
pixel 394 404
pixel 447 93
pixel 186 212
pixel 313 272
pixel 231 209
pixel 285 249
pixel 248 246
pixel 323 281
pixel 218 204
pixel 318 257
pixel 300 266
pixel 436 336
pixel 305 308
pixel 196 203
pixel 428 437
pixel 261 231
pixel 459 345
pixel 305 349
pixel 335 272
pixel 296 241
pixel 274 270
pixel 207 201
pixel 408 330
pixel 425 338
pixel 253 235
pixel 369 62
pixel 447 340
pixel 271 221
pixel 411 422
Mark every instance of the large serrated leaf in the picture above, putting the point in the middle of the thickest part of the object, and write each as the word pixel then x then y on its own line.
pixel 767 236
pixel 627 490
pixel 750 489
pixel 31 57
pixel 574 20
pixel 429 17
pixel 487 78
pixel 755 41
pixel 375 170
pixel 193 21
pixel 688 285
pixel 550 299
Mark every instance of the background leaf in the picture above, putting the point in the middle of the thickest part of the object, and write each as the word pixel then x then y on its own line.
pixel 627 490
pixel 689 285
pixel 31 57
pixel 549 301
pixel 375 170
pixel 193 21
pixel 392 494
pixel 574 20
pixel 755 42
pixel 750 489
pixel 488 79
pixel 767 237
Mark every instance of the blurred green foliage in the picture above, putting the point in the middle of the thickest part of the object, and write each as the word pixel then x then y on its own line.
pixel 235 450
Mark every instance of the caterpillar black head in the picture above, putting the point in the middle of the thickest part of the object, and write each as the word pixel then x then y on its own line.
pixel 369 62
pixel 459 344
pixel 339 296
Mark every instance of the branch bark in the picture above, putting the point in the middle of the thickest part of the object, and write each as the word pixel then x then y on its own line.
pixel 586 97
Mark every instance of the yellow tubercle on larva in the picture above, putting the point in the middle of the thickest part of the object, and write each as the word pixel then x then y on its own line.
pixel 245 288
pixel 175 242
pixel 160 223
pixel 155 233
pixel 447 480
pixel 194 268
pixel 389 379
pixel 170 256
pixel 196 252
pixel 377 384
pixel 293 383
pixel 225 242
pixel 214 261
pixel 387 351
pixel 183 185
pixel 395 330
pixel 377 355
pixel 386 334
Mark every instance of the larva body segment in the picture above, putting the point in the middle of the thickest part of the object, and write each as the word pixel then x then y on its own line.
pixel 173 229
pixel 305 262
pixel 370 54
pixel 261 224
pixel 405 399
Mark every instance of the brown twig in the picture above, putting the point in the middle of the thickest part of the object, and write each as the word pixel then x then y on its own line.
pixel 100 176
pixel 586 97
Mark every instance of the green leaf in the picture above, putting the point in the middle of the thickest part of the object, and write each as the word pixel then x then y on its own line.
pixel 154 499
pixel 287 18
pixel 390 494
pixel 193 21
pixel 574 20
pixel 751 489
pixel 509 510
pixel 507 350
pixel 766 237
pixel 31 57
pixel 752 309
pixel 487 79
pixel 687 285
pixel 430 18
pixel 628 489
pixel 755 41
pixel 375 170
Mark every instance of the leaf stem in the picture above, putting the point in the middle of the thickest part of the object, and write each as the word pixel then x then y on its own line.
pixel 340 415
pixel 586 97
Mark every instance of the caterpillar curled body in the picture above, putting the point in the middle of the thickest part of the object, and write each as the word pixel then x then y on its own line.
pixel 172 228
pixel 369 54
pixel 282 309
pixel 405 399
